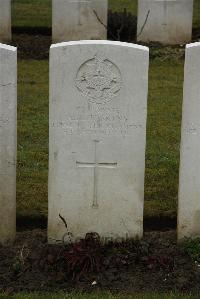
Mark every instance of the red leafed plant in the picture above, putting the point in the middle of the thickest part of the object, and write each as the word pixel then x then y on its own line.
pixel 84 256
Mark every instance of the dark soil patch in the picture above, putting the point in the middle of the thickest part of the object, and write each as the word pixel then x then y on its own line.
pixel 161 223
pixel 32 46
pixel 32 30
pixel 196 34
pixel 155 264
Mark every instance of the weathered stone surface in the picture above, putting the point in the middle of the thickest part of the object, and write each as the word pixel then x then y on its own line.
pixel 165 21
pixel 77 20
pixel 189 186
pixel 8 136
pixel 98 106
pixel 5 20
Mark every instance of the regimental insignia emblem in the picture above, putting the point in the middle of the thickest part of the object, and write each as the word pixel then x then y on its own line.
pixel 99 80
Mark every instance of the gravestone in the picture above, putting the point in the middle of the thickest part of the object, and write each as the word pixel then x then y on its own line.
pixel 5 20
pixel 8 135
pixel 98 106
pixel 79 19
pixel 165 21
pixel 189 186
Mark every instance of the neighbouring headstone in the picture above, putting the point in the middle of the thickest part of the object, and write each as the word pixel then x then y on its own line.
pixel 8 136
pixel 5 20
pixel 98 107
pixel 189 182
pixel 165 21
pixel 74 20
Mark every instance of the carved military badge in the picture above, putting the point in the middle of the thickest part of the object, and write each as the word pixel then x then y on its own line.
pixel 99 80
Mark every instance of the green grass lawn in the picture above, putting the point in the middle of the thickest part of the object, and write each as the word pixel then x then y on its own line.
pixel 31 13
pixel 163 137
pixel 32 137
pixel 196 19
pixel 37 13
pixel 101 296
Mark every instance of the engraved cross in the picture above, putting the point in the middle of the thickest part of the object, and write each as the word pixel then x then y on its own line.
pixel 95 165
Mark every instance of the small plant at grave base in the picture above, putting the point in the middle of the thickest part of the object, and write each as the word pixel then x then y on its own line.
pixel 192 247
pixel 122 26
pixel 84 256
pixel 20 259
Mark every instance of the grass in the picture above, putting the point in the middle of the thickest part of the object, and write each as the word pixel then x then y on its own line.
pixel 163 137
pixel 32 137
pixel 196 18
pixel 37 13
pixel 101 296
pixel 31 13
pixel 192 247
pixel 119 5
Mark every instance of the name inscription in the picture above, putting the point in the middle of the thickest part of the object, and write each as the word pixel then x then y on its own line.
pixel 102 121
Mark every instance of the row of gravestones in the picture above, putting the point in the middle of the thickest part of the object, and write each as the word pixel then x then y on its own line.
pixel 98 108
pixel 164 21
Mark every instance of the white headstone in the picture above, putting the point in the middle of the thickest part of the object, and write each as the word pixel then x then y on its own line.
pixel 165 21
pixel 8 136
pixel 5 20
pixel 98 106
pixel 77 20
pixel 189 183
